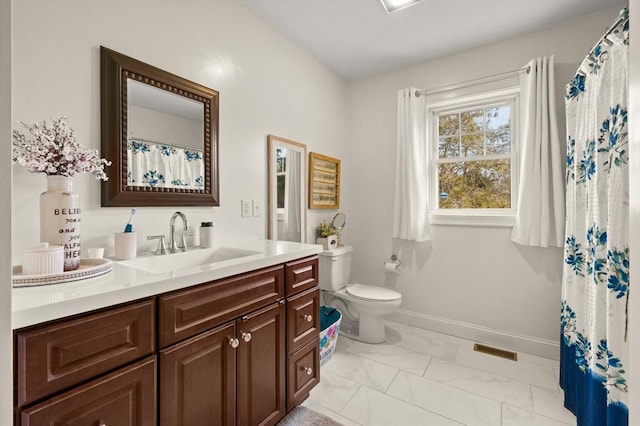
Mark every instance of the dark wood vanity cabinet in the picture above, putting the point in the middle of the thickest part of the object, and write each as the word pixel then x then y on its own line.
pixel 303 329
pixel 237 351
pixel 234 374
pixel 57 356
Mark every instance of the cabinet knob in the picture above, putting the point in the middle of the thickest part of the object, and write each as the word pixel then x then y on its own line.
pixel 308 370
pixel 234 342
pixel 246 337
pixel 308 318
pixel 102 423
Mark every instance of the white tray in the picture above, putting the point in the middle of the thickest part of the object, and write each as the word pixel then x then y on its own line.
pixel 89 268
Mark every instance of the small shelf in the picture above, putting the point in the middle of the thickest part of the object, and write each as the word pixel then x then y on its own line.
pixel 324 182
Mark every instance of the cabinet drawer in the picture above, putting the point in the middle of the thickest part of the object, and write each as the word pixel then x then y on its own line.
pixel 303 320
pixel 303 368
pixel 302 275
pixel 188 312
pixel 53 357
pixel 126 397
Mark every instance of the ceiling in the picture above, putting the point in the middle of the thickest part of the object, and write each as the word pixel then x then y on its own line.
pixel 357 38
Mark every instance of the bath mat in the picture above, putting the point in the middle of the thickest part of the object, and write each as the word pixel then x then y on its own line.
pixel 303 416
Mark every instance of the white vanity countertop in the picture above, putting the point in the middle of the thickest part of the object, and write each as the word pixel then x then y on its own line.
pixel 34 305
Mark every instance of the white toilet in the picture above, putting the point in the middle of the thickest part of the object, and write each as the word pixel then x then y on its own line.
pixel 362 306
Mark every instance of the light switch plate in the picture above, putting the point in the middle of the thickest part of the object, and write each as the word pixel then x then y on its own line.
pixel 257 208
pixel 246 208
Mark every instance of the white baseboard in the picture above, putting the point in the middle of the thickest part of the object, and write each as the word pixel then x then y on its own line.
pixel 515 342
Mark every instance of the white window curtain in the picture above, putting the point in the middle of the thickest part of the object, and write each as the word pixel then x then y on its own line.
pixel 292 201
pixel 540 206
pixel 411 205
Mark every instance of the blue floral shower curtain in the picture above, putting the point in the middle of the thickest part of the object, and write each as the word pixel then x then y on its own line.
pixel 594 352
pixel 156 164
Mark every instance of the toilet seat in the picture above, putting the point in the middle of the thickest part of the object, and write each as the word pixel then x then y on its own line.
pixel 372 293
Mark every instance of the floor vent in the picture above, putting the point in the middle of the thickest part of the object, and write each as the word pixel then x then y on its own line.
pixel 495 352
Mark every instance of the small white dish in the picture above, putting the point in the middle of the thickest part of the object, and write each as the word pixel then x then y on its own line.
pixel 89 268
pixel 43 259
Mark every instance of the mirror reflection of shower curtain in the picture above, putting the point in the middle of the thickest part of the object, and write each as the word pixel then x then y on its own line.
pixel 154 164
pixel 293 191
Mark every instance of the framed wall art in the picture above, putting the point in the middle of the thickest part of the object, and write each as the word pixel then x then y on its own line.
pixel 324 182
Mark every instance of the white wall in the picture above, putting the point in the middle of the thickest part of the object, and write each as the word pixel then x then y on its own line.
pixel 6 342
pixel 170 129
pixel 266 84
pixel 472 275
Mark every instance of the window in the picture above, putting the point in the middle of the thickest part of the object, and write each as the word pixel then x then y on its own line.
pixel 281 176
pixel 473 165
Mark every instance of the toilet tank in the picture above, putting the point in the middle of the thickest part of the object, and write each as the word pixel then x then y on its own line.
pixel 335 268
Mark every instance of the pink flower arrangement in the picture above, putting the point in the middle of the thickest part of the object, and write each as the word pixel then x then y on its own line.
pixel 53 150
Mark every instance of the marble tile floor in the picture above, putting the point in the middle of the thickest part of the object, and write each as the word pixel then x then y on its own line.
pixel 422 378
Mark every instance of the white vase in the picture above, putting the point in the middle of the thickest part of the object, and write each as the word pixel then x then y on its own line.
pixel 329 242
pixel 60 219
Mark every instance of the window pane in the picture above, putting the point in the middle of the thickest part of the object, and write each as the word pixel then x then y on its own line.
pixel 448 124
pixel 475 185
pixel 499 142
pixel 498 118
pixel 280 180
pixel 472 121
pixel 472 145
pixel 449 147
pixel 281 160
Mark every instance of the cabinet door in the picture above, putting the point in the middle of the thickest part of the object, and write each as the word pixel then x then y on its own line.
pixel 197 380
pixel 126 397
pixel 261 367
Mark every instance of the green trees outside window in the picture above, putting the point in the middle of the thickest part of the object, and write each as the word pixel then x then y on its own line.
pixel 474 158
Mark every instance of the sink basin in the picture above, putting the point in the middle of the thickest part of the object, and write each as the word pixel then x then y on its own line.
pixel 187 260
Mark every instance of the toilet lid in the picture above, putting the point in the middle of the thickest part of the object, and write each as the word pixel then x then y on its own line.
pixel 372 292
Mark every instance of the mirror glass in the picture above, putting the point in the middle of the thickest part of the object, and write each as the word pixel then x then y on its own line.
pixel 338 223
pixel 165 144
pixel 161 133
pixel 287 189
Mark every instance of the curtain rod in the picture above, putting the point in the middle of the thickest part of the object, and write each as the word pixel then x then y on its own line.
pixel 473 82
pixel 624 15
pixel 188 148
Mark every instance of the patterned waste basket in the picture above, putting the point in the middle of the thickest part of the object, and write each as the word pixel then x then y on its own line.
pixel 329 327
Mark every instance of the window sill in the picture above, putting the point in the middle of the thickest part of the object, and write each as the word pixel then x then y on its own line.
pixel 472 219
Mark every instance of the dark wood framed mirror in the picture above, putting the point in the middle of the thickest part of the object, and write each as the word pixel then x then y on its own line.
pixel 161 133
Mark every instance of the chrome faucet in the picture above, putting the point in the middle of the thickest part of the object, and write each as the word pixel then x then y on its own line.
pixel 182 246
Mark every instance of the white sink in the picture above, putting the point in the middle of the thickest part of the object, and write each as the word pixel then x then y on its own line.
pixel 193 259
